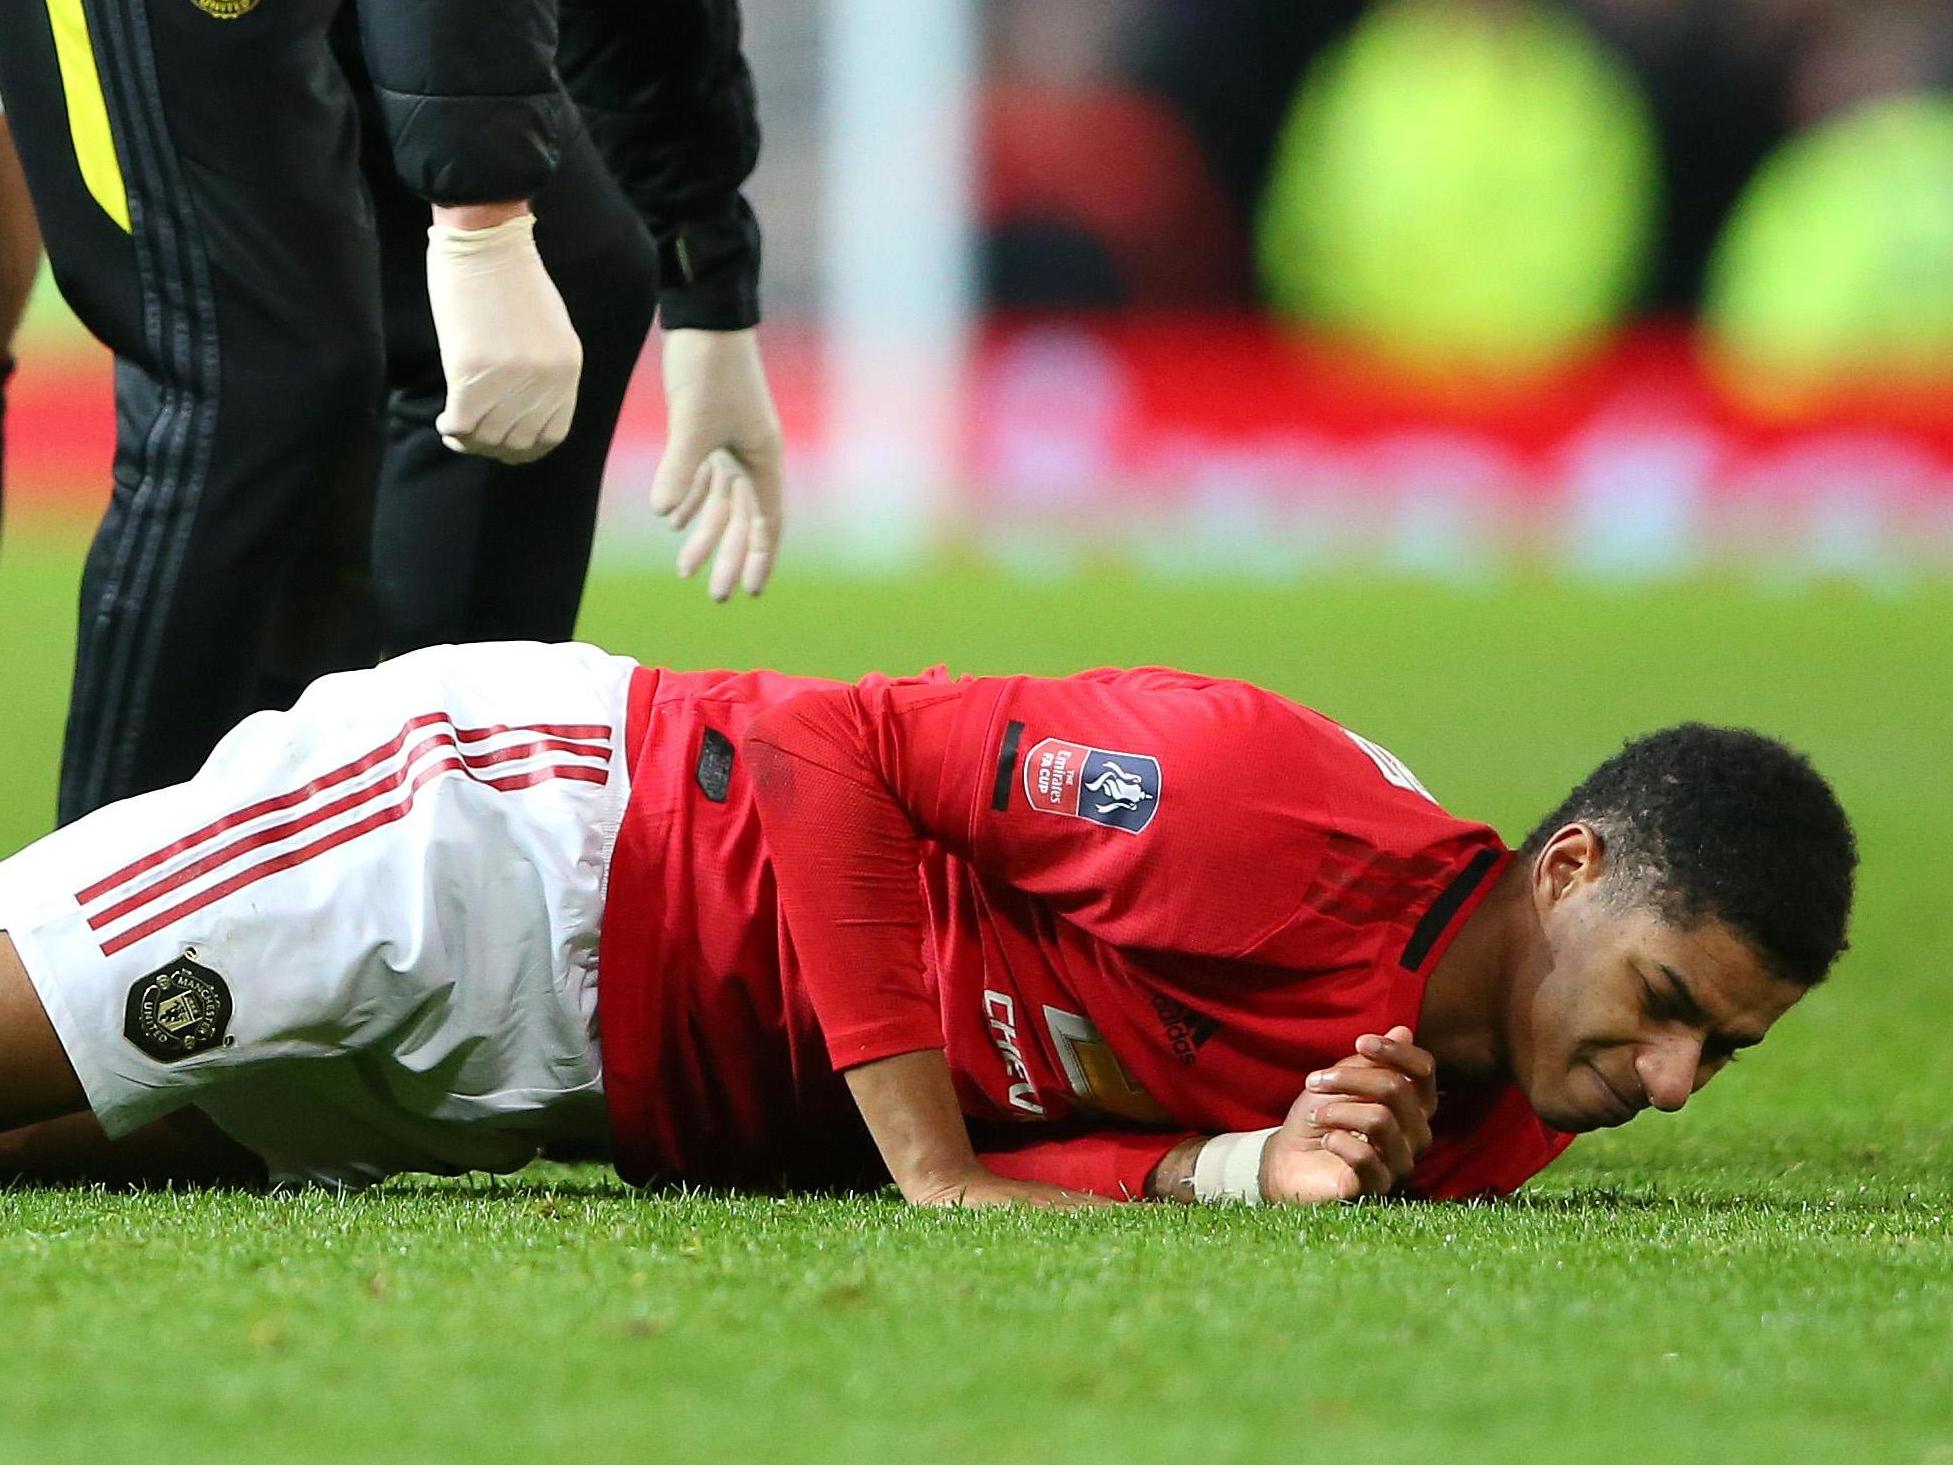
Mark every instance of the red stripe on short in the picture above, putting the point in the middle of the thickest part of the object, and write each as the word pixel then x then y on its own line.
pixel 345 834
pixel 362 764
pixel 274 833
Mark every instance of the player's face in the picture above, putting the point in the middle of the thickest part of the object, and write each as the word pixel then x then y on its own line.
pixel 1626 1011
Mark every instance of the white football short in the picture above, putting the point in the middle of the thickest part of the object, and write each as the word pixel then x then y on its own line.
pixel 363 938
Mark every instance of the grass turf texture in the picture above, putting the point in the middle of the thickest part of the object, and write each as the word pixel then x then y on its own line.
pixel 1770 1275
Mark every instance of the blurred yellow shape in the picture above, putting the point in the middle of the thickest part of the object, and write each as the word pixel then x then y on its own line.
pixel 1465 187
pixel 1835 273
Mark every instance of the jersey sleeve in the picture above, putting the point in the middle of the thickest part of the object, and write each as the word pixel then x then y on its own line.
pixel 668 98
pixel 1114 1163
pixel 1151 809
pixel 468 93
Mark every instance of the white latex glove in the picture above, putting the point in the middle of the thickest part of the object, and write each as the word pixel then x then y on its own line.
pixel 511 356
pixel 721 469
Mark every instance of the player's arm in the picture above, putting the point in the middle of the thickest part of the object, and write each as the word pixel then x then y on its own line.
pixel 183 1148
pixel 666 94
pixel 1114 1163
pixel 475 116
pixel 845 858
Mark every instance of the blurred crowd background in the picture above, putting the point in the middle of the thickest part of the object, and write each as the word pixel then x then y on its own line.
pixel 1229 155
pixel 1142 152
pixel 1440 285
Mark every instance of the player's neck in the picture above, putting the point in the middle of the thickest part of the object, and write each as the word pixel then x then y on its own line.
pixel 1462 1022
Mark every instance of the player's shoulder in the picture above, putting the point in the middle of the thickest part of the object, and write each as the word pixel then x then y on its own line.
pixel 1258 748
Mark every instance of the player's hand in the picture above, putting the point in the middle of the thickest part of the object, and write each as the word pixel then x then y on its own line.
pixel 721 471
pixel 1358 1127
pixel 1386 1092
pixel 511 356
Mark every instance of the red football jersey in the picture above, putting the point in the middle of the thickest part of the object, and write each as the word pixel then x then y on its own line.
pixel 1130 905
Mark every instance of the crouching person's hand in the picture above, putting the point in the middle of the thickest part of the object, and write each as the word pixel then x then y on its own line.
pixel 510 354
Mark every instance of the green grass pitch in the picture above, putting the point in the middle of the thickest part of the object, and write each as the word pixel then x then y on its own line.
pixel 1767 1277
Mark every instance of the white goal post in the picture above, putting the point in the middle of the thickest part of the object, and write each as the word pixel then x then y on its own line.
pixel 901 78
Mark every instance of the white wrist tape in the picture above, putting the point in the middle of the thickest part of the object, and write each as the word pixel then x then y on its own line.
pixel 1228 1168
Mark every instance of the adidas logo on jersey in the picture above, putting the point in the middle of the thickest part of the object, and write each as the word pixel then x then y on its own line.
pixel 1186 1030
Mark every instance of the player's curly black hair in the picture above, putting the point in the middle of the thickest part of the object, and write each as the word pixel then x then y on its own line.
pixel 1725 822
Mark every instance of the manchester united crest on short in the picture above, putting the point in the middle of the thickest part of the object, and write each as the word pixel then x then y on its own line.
pixel 1118 790
pixel 178 1011
pixel 226 9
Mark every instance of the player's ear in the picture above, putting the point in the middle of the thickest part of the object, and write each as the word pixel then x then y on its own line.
pixel 1574 857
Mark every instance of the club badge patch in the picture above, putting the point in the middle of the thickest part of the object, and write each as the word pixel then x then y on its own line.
pixel 1118 790
pixel 179 1010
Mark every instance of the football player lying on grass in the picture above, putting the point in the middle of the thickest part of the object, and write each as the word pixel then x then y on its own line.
pixel 1118 935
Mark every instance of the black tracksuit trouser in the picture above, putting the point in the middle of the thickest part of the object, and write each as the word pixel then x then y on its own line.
pixel 280 506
